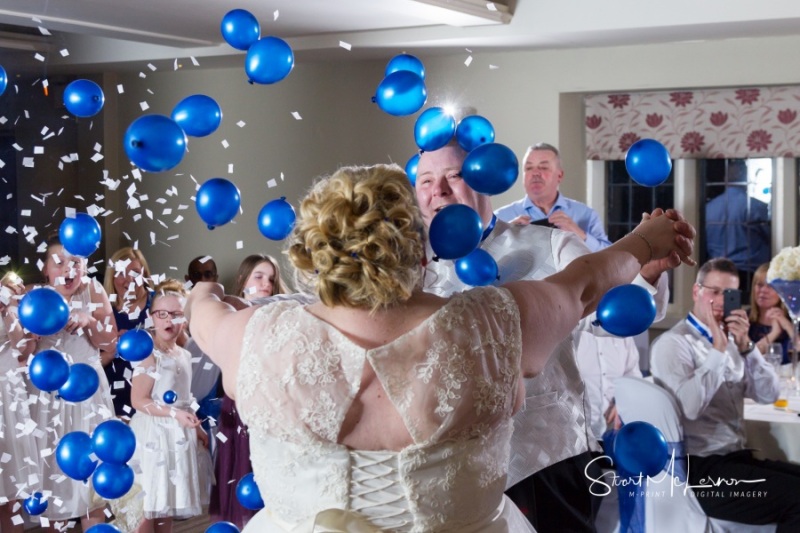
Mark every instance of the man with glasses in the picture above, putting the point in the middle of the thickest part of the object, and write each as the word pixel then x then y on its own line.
pixel 202 268
pixel 710 365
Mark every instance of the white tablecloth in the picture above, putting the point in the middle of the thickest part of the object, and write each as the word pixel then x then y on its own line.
pixel 774 433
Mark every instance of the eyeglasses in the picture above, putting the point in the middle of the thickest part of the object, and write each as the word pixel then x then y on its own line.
pixel 715 291
pixel 162 314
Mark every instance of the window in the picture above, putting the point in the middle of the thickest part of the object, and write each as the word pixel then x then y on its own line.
pixel 626 200
pixel 737 215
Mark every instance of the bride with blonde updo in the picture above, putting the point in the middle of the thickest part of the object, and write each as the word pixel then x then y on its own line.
pixel 381 407
pixel 360 240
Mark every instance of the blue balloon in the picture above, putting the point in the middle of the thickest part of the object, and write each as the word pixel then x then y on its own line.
pixel 268 60
pixel 240 29
pixel 113 442
pixel 199 115
pixel 473 131
pixel 170 397
pixel 490 168
pixel 248 494
pixel 80 235
pixel 222 527
pixel 648 162
pixel 3 80
pixel 81 384
pixel 73 455
pixel 401 93
pixel 455 231
pixel 411 169
pixel 276 219
pixel 405 62
pixel 84 98
pixel 626 310
pixel 135 345
pixel 477 269
pixel 640 448
pixel 35 504
pixel 43 311
pixel 217 202
pixel 103 528
pixel 155 143
pixel 112 481
pixel 49 370
pixel 434 129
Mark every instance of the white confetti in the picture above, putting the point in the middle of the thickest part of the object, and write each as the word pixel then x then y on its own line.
pixel 468 61
pixel 346 46
pixel 493 67
pixel 44 31
pixel 230 168
pixel 194 61
pixel 175 64
pixel 27 162
pixel 38 150
pixel 241 123
pixel 96 157
pixel 151 67
pixel 64 52
pixel 222 438
pixel 272 183
pixel 491 7
pixel 225 143
pixel 120 88
pixel 144 105
pixel 98 147
pixel 296 115
pixel 239 245
pixel 142 75
pixel 275 15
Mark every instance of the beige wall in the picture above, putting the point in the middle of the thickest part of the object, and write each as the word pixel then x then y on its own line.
pixel 531 96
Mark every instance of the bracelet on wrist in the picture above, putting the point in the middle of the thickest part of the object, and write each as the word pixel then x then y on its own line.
pixel 647 242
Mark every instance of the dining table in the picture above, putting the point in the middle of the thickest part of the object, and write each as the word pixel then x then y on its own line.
pixel 773 430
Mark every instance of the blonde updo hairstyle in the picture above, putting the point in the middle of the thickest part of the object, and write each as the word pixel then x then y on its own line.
pixel 360 239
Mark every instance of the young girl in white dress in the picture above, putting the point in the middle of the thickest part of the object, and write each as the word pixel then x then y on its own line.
pixel 171 447
pixel 90 332
pixel 19 446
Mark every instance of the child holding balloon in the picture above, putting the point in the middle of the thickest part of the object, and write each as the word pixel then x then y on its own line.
pixel 21 448
pixel 89 331
pixel 171 447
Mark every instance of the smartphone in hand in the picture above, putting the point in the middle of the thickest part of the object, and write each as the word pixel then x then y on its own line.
pixel 732 299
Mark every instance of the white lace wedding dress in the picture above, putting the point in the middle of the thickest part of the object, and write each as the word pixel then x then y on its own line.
pixel 453 379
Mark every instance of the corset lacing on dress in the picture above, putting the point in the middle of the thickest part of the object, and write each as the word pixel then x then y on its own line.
pixel 377 492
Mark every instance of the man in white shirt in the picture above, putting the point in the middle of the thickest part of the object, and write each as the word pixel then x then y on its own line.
pixel 551 437
pixel 709 363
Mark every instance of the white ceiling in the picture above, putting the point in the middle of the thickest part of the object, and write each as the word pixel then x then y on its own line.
pixel 98 33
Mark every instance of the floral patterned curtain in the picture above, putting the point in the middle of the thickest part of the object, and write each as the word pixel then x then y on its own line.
pixel 702 124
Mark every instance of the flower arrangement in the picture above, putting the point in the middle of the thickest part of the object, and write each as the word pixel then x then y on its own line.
pixel 785 266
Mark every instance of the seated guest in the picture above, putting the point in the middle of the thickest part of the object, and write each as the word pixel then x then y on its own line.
pixel 769 321
pixel 710 365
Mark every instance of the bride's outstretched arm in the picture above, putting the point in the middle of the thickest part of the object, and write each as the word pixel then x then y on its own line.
pixel 218 329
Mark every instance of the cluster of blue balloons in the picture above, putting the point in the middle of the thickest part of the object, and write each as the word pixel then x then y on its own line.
pixel 402 90
pixel 155 143
pixel 80 235
pixel 113 443
pixel 248 494
pixel 135 345
pixel 648 162
pixel 276 219
pixel 626 310
pixel 83 98
pixel 268 59
pixel 638 448
pixel 217 202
